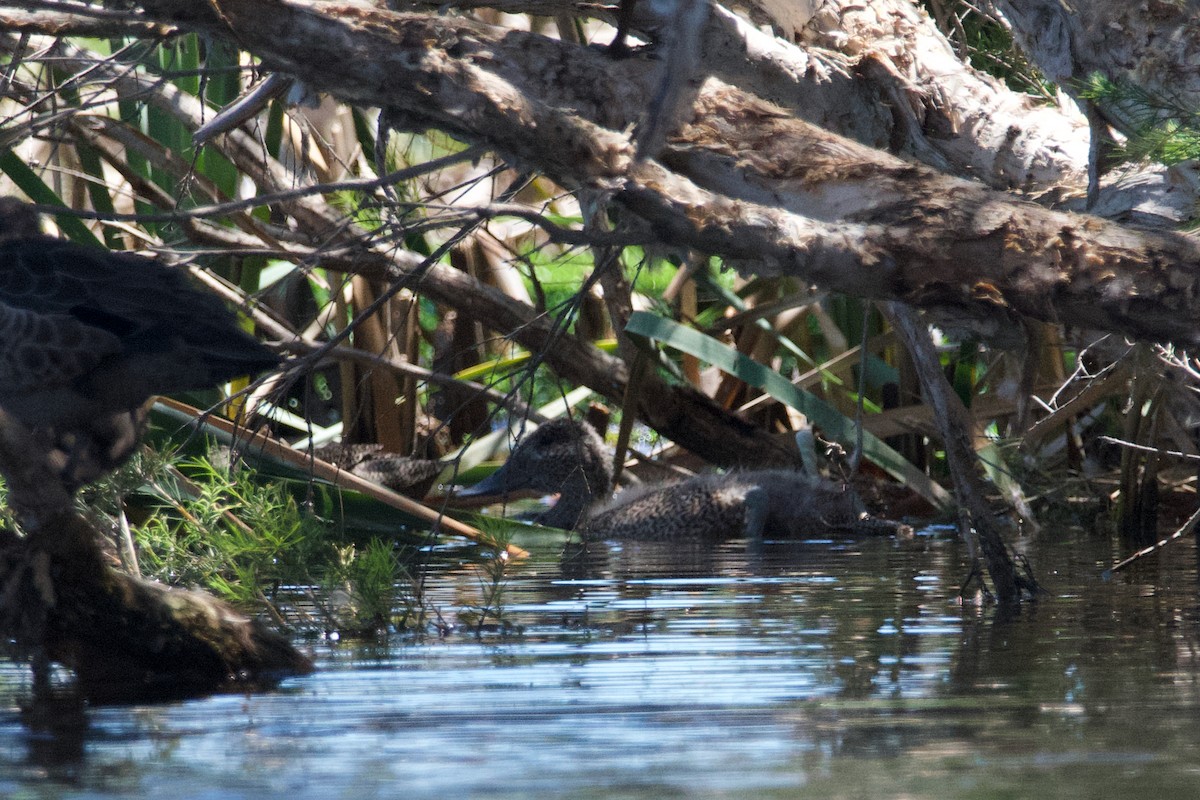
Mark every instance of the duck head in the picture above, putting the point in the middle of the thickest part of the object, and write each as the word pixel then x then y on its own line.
pixel 562 456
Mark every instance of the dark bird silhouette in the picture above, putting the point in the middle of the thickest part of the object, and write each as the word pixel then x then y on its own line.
pixel 568 457
pixel 619 47
pixel 87 336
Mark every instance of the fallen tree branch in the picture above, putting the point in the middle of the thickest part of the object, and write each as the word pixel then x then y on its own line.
pixel 340 477
pixel 746 181
pixel 678 412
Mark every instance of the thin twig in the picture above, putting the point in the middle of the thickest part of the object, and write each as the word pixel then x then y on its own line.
pixel 222 209
pixel 514 405
pixel 1147 449
pixel 1154 548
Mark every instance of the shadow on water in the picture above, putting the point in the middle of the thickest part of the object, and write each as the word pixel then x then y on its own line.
pixel 821 668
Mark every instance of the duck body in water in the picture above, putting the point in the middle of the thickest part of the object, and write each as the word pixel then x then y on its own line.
pixel 568 457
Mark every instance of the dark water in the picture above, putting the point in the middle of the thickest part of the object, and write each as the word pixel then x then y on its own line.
pixel 822 669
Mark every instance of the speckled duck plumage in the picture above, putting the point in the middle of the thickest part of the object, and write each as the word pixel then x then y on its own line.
pixel 568 457
pixel 402 474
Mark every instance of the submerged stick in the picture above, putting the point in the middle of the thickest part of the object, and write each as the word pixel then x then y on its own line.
pixel 955 424
pixel 1184 530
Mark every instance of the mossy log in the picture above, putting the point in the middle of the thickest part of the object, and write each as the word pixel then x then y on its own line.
pixel 124 637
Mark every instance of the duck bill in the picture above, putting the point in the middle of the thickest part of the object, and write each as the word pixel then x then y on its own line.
pixel 493 485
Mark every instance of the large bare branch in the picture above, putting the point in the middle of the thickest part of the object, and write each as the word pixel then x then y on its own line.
pixel 53 23
pixel 883 74
pixel 862 222
pixel 750 183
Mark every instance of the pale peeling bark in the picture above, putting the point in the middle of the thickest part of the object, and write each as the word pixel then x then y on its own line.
pixel 979 126
pixel 746 181
pixel 944 109
pixel 868 224
pixel 882 74
pixel 1154 45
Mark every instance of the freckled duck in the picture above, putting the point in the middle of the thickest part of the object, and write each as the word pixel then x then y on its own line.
pixel 568 457
pixel 402 474
pixel 87 336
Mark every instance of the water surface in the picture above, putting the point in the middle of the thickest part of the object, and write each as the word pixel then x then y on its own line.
pixel 825 668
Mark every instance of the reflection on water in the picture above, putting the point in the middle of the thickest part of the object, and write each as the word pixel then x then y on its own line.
pixel 825 668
